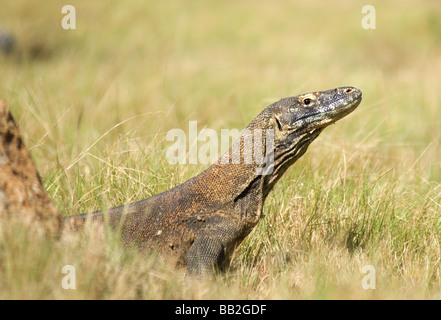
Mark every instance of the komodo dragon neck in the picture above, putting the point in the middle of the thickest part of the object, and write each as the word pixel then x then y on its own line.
pixel 203 219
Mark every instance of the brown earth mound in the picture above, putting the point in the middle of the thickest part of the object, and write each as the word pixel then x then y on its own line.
pixel 21 189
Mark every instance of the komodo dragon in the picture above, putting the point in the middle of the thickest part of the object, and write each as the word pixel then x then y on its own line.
pixel 201 221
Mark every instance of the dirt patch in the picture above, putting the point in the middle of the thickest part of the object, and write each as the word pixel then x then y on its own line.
pixel 21 189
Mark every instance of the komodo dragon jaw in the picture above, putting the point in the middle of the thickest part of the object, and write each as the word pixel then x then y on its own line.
pixel 202 221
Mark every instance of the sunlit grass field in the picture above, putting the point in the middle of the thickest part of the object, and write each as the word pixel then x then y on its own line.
pixel 94 106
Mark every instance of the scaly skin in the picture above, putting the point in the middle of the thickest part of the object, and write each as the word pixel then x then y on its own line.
pixel 201 221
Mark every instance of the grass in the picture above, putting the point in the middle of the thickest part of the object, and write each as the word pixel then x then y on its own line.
pixel 94 106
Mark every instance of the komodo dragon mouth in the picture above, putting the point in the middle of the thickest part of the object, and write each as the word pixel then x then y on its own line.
pixel 201 221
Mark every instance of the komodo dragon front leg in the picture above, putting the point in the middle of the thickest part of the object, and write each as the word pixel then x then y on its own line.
pixel 214 244
pixel 202 220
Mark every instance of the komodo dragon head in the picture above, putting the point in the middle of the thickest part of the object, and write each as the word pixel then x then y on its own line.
pixel 297 121
pixel 310 112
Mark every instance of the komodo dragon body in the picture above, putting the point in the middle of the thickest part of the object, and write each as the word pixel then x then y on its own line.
pixel 201 221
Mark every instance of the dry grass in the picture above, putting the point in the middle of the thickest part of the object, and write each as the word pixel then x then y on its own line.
pixel 94 105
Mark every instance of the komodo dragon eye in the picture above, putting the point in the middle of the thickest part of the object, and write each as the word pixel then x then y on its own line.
pixel 307 101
